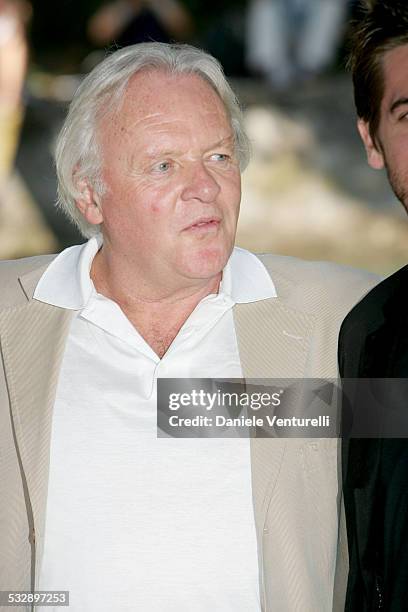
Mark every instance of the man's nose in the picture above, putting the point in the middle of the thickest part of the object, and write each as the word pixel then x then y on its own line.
pixel 200 184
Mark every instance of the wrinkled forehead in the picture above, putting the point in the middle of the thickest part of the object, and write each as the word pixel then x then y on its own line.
pixel 164 94
pixel 171 111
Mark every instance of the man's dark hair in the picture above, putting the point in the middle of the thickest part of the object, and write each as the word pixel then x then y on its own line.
pixel 381 26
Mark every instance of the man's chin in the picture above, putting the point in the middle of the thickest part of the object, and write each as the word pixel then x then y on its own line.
pixel 205 263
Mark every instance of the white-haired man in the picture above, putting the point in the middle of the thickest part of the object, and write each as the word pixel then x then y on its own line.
pixel 149 168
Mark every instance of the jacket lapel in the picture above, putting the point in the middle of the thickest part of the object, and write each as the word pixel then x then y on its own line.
pixel 273 342
pixel 385 348
pixel 32 341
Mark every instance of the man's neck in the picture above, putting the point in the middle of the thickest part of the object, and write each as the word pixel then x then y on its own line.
pixel 157 312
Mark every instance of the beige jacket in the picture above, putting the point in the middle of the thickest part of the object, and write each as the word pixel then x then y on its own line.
pixel 295 482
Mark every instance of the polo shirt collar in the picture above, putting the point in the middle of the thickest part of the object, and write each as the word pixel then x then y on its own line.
pixel 245 278
pixel 66 283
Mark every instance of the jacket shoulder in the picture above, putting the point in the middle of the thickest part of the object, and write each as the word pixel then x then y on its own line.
pixel 12 270
pixel 18 267
pixel 384 302
pixel 317 285
pixel 369 311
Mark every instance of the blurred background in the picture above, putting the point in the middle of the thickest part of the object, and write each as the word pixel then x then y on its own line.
pixel 308 191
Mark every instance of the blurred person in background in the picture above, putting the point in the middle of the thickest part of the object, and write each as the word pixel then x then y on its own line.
pixel 14 16
pixel 291 41
pixel 374 336
pixel 127 22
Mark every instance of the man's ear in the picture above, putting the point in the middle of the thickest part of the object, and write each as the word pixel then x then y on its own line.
pixel 89 203
pixel 375 157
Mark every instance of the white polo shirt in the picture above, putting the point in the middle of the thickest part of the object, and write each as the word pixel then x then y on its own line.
pixel 135 522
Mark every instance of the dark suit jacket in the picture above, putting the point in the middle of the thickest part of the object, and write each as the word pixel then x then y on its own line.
pixel 374 344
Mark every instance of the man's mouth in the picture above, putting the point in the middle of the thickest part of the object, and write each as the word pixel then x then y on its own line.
pixel 204 224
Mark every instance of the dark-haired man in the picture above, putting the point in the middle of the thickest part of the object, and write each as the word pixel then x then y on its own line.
pixel 374 336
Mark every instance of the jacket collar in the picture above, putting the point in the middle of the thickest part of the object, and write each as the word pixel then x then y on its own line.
pixel 29 281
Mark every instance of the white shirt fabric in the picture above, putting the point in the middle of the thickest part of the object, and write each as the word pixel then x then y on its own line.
pixel 135 522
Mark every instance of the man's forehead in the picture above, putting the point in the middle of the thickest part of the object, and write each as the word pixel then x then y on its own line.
pixel 156 99
pixel 395 74
pixel 167 112
pixel 156 86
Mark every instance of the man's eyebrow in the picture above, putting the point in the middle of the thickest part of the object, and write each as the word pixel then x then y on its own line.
pixel 157 152
pixel 154 153
pixel 227 141
pixel 224 141
pixel 398 103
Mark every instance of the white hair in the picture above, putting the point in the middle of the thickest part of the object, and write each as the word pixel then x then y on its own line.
pixel 77 154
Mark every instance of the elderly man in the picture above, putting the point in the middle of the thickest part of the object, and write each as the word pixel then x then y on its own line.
pixel 149 168
pixel 373 340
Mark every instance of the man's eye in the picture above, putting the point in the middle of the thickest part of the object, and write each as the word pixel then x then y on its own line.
pixel 161 167
pixel 221 157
